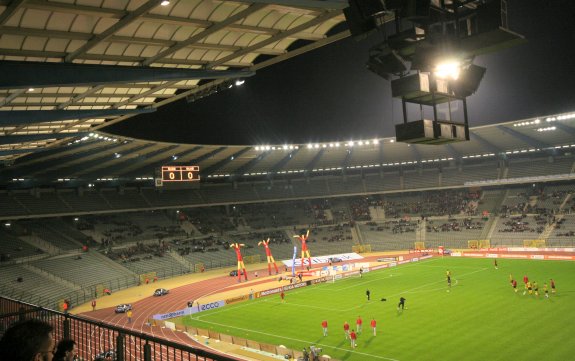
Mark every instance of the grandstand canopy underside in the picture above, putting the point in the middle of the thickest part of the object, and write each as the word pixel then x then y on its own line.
pixel 102 160
pixel 72 67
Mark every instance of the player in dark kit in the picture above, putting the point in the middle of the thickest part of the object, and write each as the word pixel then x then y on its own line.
pixel 401 303
pixel 448 283
pixel 368 294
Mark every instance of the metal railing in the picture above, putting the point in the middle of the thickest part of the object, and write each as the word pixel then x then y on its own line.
pixel 95 339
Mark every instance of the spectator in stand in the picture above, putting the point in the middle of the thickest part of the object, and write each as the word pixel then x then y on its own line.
pixel 94 305
pixel 29 340
pixel 66 350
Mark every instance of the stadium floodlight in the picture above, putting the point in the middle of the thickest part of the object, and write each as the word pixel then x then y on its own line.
pixel 449 69
pixel 386 62
pixel 165 3
pixel 239 82
pixel 468 81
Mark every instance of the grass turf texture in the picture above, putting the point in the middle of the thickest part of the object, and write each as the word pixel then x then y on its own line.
pixel 480 318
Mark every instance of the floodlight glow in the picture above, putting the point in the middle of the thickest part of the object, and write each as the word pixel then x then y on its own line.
pixel 449 69
pixel 309 146
pixel 239 82
pixel 165 3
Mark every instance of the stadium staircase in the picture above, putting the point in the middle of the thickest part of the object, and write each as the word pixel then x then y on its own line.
pixel 328 215
pixel 181 260
pixel 111 264
pixel 492 228
pixel 421 232
pixel 377 214
pixel 551 227
pixel 189 228
pixel 356 235
pixel 51 276
pixel 95 235
pixel 41 244
pixel 242 225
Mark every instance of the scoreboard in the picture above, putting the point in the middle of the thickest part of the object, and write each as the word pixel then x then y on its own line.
pixel 179 175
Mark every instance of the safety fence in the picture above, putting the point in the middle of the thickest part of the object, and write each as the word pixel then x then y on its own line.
pixel 96 340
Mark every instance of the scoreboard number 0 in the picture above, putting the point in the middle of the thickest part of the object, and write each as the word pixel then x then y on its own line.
pixel 180 173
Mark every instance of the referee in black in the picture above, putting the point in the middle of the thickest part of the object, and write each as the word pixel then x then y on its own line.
pixel 401 303
pixel 368 294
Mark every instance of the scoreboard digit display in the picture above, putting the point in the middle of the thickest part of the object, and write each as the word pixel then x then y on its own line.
pixel 180 173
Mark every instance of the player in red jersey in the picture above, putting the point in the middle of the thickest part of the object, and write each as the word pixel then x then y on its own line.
pixel 358 324
pixel 514 285
pixel 552 285
pixel 304 250
pixel 237 247
pixel 373 324
pixel 525 279
pixel 353 338
pixel 324 326
pixel 346 330
pixel 269 256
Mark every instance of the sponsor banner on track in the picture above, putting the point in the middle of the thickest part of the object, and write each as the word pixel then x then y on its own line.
pixel 379 267
pixel 319 280
pixel 343 257
pixel 517 256
pixel 189 310
pixel 210 306
pixel 241 298
pixel 271 292
pixel 179 313
pixel 294 286
pixel 561 257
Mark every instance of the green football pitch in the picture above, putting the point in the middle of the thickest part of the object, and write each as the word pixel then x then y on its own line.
pixel 479 318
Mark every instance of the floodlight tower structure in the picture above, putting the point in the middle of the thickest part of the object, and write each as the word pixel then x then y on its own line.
pixel 428 57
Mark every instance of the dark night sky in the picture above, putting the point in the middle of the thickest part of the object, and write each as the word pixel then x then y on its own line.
pixel 328 95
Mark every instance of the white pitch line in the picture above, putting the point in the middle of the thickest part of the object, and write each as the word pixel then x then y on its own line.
pixel 303 341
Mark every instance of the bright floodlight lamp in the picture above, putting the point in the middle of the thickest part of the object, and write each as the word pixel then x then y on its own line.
pixel 386 62
pixel 448 69
pixel 468 81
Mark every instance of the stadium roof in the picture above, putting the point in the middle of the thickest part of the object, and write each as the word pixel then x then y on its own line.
pixel 102 157
pixel 72 67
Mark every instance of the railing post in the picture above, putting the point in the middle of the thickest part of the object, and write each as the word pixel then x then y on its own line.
pixel 66 327
pixel 147 352
pixel 120 347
